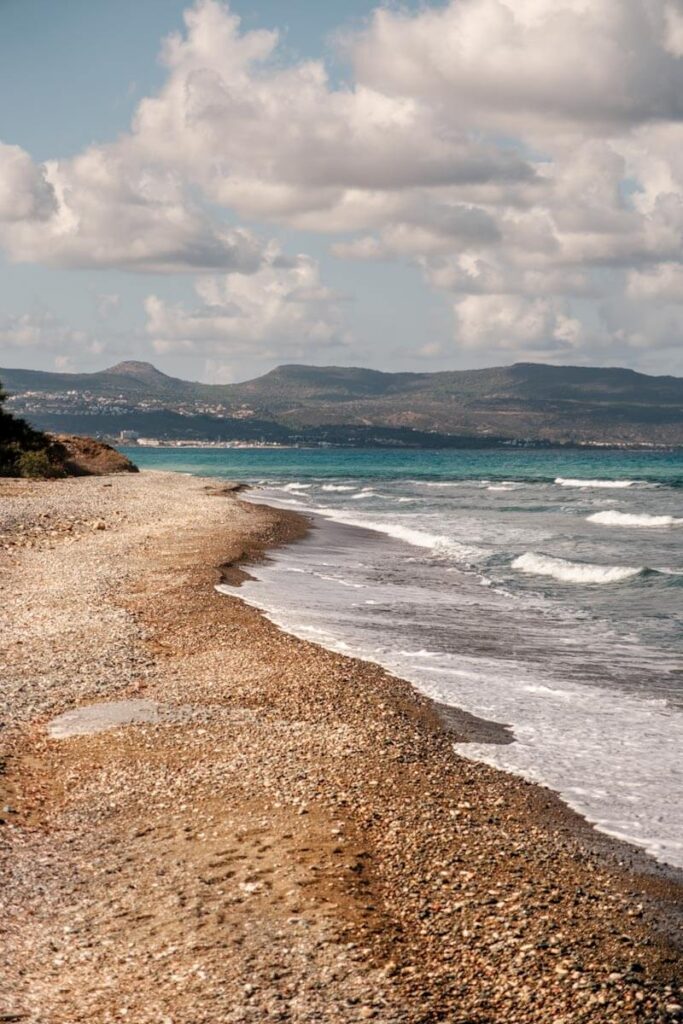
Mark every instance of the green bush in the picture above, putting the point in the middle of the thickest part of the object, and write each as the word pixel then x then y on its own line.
pixel 25 451
pixel 37 465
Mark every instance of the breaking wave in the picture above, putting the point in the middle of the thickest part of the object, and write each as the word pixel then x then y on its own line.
pixel 573 572
pixel 437 543
pixel 573 482
pixel 614 518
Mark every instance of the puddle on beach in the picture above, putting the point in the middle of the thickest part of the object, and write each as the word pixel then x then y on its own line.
pixel 95 718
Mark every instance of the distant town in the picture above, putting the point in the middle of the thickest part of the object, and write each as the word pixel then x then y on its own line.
pixel 130 438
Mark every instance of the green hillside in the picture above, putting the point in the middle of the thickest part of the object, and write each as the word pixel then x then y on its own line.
pixel 524 401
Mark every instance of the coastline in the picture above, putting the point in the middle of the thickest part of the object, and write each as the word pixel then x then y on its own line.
pixel 390 878
pixel 662 882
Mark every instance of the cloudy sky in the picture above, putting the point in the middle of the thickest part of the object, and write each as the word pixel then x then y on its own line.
pixel 219 187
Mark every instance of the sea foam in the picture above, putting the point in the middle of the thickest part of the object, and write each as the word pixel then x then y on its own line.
pixel 615 518
pixel 573 572
pixel 573 482
pixel 437 543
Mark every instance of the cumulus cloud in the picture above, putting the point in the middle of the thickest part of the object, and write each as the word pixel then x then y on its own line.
pixel 25 193
pixel 523 154
pixel 294 145
pixel 105 208
pixel 531 327
pixel 570 63
pixel 281 310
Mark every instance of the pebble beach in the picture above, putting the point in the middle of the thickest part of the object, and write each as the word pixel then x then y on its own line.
pixel 208 820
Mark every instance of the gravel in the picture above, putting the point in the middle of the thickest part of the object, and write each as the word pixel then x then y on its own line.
pixel 292 837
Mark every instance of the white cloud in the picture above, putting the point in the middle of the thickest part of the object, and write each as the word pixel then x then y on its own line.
pixel 532 327
pixel 280 141
pixel 105 208
pixel 521 153
pixel 281 310
pixel 673 28
pixel 471 274
pixel 568 63
pixel 25 193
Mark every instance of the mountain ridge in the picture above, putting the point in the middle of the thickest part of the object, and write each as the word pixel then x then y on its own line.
pixel 532 401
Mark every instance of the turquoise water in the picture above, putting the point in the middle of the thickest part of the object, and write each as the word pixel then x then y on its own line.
pixel 523 464
pixel 540 589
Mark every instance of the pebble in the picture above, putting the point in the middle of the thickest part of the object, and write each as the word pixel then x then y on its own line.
pixel 190 869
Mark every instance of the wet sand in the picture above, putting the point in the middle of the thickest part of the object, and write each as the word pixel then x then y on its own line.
pixel 293 837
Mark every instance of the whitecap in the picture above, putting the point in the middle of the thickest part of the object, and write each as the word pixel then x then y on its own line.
pixel 438 483
pixel 575 482
pixel 573 572
pixel 339 487
pixel 423 653
pixel 338 579
pixel 615 518
pixel 438 543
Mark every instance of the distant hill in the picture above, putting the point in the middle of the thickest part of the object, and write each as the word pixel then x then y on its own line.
pixel 130 379
pixel 526 401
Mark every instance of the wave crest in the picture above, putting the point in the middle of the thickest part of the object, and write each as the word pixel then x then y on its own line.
pixel 573 572
pixel 587 482
pixel 439 544
pixel 615 518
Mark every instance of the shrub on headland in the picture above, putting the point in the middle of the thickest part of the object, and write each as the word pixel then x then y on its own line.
pixel 31 453
pixel 38 465
pixel 23 450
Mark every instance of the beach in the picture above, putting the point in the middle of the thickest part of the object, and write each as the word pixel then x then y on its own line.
pixel 281 832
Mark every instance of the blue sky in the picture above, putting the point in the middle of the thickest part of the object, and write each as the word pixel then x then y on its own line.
pixel 72 71
pixel 474 217
pixel 72 74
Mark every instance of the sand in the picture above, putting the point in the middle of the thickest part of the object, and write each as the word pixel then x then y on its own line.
pixel 290 836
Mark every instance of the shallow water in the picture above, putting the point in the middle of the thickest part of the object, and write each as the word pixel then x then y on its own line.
pixel 94 718
pixel 539 589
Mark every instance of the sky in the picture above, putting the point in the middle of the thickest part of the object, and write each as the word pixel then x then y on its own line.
pixel 219 188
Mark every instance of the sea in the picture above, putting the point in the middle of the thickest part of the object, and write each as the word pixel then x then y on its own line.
pixel 540 589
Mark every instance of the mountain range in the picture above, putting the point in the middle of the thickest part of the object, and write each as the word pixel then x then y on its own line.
pixel 526 401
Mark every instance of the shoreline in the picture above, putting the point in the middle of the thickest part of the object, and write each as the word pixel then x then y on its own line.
pixel 462 727
pixel 468 727
pixel 395 880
